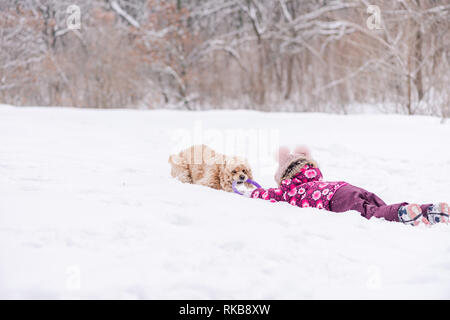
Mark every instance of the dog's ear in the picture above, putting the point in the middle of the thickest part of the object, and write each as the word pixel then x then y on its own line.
pixel 250 176
pixel 225 178
pixel 250 173
pixel 175 160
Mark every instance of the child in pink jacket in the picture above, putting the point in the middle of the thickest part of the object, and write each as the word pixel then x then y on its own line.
pixel 301 184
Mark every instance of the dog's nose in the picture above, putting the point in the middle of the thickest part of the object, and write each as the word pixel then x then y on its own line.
pixel 242 177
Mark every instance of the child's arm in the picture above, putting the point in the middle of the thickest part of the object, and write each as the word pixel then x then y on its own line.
pixel 271 194
pixel 282 193
pixel 288 187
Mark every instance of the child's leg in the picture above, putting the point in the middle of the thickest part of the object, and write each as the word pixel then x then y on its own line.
pixel 368 204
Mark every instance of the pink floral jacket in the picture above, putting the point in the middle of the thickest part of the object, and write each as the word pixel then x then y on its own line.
pixel 305 189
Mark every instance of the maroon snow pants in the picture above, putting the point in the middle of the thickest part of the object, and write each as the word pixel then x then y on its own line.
pixel 368 204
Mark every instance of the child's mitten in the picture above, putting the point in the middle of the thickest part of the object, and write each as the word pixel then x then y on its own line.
pixel 247 193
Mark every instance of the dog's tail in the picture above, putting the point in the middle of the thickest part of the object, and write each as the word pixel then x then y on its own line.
pixel 179 168
pixel 176 160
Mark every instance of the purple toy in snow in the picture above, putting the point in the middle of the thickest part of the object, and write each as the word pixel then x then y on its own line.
pixel 249 181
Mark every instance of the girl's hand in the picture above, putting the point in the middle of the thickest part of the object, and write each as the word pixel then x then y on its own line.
pixel 247 193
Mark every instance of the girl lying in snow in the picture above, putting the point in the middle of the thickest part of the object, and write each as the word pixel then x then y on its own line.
pixel 300 183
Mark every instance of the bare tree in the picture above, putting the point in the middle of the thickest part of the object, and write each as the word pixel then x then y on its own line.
pixel 269 55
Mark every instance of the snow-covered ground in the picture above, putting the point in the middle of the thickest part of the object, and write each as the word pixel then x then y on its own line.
pixel 88 208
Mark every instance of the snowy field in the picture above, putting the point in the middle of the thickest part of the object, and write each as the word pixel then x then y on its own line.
pixel 88 209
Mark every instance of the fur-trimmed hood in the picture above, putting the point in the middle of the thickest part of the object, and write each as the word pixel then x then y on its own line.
pixel 291 163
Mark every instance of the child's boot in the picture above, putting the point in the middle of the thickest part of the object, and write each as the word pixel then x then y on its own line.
pixel 412 214
pixel 438 213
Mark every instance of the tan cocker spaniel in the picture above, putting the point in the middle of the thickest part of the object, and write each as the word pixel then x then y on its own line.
pixel 202 165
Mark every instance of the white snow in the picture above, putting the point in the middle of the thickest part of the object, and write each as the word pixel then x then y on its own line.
pixel 88 209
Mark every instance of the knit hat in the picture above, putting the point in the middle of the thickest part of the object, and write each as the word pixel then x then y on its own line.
pixel 285 158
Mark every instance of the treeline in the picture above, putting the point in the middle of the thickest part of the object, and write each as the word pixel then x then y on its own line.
pixel 290 55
